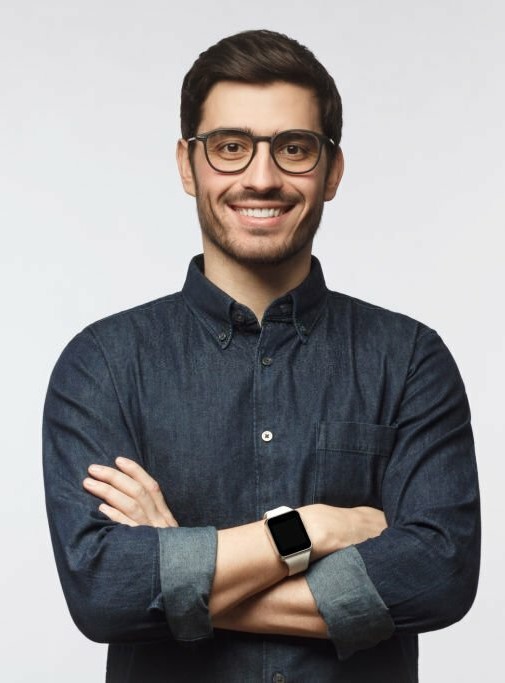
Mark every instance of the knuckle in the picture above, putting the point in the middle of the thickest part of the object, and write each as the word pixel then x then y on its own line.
pixel 137 490
pixel 154 487
pixel 134 509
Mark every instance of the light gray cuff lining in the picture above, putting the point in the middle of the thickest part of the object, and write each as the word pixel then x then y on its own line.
pixel 349 603
pixel 187 566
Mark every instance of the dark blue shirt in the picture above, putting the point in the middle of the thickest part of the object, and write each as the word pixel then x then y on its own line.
pixel 364 407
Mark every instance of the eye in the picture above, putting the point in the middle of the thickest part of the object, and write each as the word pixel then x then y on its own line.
pixel 293 150
pixel 231 148
pixel 229 145
pixel 295 146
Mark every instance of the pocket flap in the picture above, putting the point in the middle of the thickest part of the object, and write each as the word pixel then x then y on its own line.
pixel 358 437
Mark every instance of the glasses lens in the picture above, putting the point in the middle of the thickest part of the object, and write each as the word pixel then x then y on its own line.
pixel 229 150
pixel 296 151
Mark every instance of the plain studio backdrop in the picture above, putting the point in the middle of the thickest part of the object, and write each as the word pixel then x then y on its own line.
pixel 94 220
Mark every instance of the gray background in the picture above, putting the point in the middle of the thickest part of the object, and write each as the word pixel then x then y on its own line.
pixel 93 220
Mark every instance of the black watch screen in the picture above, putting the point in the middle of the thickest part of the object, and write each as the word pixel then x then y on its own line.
pixel 289 533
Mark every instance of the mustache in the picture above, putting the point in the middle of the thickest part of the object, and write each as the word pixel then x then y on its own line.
pixel 272 194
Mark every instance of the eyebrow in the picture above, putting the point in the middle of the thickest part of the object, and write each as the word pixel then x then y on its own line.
pixel 237 128
pixel 246 129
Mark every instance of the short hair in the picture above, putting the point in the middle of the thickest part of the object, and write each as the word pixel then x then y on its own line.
pixel 259 57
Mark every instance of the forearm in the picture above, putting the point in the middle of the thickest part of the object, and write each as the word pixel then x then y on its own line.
pixel 246 564
pixel 287 608
pixel 107 603
pixel 432 575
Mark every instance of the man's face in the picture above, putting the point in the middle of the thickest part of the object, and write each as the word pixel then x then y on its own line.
pixel 224 202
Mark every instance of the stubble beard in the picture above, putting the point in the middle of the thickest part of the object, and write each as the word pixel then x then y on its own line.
pixel 268 254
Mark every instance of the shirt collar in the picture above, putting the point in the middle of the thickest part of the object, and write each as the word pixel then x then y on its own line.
pixel 221 314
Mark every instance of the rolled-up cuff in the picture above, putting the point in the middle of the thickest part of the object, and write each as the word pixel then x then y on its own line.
pixel 349 603
pixel 187 566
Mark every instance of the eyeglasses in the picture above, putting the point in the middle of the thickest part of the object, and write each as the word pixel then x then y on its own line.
pixel 229 150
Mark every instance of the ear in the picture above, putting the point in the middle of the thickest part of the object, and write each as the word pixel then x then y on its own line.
pixel 334 176
pixel 185 170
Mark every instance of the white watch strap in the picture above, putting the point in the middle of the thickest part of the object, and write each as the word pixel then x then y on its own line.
pixel 298 563
pixel 277 511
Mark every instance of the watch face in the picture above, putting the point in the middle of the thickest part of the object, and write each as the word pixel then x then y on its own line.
pixel 289 533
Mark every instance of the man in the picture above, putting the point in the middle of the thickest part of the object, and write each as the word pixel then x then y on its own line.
pixel 255 392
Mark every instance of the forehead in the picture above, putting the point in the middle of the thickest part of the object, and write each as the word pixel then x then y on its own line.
pixel 265 109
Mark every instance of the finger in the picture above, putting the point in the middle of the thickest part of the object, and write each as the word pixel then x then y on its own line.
pixel 137 472
pixel 118 500
pixel 116 515
pixel 131 488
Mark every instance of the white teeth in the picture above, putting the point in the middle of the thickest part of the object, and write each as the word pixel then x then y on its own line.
pixel 259 213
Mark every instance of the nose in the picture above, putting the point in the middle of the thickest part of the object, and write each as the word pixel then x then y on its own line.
pixel 262 174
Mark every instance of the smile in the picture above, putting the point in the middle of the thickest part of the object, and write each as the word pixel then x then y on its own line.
pixel 261 213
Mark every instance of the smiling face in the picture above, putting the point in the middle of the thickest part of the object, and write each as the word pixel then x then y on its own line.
pixel 261 215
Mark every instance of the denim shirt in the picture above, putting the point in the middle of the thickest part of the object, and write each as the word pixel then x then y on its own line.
pixel 364 407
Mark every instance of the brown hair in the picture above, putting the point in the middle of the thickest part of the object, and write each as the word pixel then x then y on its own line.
pixel 259 57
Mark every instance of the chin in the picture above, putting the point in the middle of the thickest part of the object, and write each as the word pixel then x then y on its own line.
pixel 267 255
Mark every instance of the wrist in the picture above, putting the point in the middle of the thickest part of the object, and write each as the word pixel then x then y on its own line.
pixel 324 525
pixel 289 538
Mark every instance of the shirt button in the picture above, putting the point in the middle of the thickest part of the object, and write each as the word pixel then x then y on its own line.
pixel 267 436
pixel 222 336
pixel 266 361
pixel 278 678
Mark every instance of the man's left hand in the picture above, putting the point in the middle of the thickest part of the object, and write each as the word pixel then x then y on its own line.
pixel 131 495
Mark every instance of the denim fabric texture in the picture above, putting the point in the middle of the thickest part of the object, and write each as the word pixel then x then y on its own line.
pixel 365 407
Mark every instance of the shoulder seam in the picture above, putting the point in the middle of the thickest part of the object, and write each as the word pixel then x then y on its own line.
pixel 376 307
pixel 168 299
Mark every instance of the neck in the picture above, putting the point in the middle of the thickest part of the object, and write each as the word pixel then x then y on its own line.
pixel 255 286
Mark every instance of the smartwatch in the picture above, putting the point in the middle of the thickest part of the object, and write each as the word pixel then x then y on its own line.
pixel 289 537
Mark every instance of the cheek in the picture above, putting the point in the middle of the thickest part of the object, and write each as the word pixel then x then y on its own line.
pixel 312 193
pixel 212 188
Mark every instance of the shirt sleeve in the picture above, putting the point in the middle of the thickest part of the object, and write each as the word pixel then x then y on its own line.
pixel 421 573
pixel 110 573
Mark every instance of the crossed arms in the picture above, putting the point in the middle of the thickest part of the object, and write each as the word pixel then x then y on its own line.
pixel 250 591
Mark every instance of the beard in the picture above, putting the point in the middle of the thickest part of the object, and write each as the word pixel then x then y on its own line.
pixel 265 254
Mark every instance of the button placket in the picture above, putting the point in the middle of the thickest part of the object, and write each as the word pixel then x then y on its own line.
pixel 269 416
pixel 266 361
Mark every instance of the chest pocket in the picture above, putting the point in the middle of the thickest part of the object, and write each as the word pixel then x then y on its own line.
pixel 351 461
